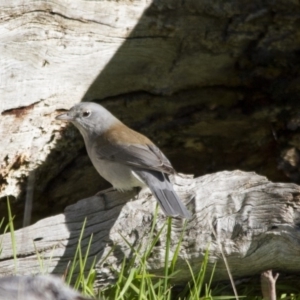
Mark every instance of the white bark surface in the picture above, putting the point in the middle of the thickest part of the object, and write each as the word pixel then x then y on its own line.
pixel 51 52
pixel 59 47
pixel 256 224
pixel 36 288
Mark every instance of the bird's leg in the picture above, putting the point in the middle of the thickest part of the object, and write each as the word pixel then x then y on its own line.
pixel 103 193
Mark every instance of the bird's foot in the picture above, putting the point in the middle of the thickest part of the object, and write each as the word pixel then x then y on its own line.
pixel 103 193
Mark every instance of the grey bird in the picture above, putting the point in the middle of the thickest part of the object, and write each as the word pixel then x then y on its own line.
pixel 124 157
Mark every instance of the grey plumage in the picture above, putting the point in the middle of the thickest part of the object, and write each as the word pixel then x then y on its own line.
pixel 124 157
pixel 162 189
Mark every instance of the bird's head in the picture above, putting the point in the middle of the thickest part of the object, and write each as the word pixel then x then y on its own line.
pixel 89 118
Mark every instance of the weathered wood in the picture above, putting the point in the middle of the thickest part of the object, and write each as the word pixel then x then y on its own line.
pixel 36 288
pixel 256 224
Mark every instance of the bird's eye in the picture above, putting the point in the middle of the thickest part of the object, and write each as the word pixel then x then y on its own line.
pixel 86 113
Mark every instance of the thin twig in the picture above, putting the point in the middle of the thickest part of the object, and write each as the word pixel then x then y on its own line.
pixel 268 285
pixel 226 264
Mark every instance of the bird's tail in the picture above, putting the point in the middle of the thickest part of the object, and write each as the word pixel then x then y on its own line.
pixel 163 191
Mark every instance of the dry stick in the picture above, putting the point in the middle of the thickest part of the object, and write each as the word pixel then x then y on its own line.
pixel 268 285
pixel 226 264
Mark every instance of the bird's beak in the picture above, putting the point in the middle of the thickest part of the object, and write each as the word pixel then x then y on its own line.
pixel 64 117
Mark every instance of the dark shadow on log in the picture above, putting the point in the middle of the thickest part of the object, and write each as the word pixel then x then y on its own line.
pixel 93 211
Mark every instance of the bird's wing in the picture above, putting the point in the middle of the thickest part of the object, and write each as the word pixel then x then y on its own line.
pixel 146 156
pixel 163 191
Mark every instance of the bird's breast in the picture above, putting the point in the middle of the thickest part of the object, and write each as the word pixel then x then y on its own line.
pixel 120 176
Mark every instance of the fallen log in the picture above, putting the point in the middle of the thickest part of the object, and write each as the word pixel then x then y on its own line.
pixel 253 221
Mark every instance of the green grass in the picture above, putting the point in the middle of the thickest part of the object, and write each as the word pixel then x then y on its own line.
pixel 136 282
pixel 83 282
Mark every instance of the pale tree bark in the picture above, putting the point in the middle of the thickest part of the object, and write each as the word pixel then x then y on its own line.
pixel 36 288
pixel 252 220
